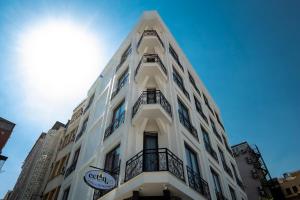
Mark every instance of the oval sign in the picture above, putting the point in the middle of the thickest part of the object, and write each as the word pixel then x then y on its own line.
pixel 99 179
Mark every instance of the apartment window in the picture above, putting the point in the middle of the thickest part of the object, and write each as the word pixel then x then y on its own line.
pixel 232 193
pixel 112 159
pixel 91 99
pixel 124 56
pixel 219 121
pixel 199 109
pixel 118 112
pixel 217 185
pixel 192 161
pixel 175 56
pixel 213 126
pixel 234 171
pixel 207 103
pixel 192 80
pixel 66 194
pixel 83 128
pixel 123 79
pixel 226 145
pixel 295 189
pixel 179 81
pixel 288 191
pixel 184 118
pixel 207 144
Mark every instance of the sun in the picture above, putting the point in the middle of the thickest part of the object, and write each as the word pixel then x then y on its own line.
pixel 59 60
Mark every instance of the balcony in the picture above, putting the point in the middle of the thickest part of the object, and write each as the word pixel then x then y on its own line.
pixel 114 125
pixel 150 65
pixel 151 105
pixel 187 124
pixel 197 183
pixel 150 39
pixel 154 160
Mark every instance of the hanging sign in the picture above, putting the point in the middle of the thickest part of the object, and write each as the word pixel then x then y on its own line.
pixel 99 179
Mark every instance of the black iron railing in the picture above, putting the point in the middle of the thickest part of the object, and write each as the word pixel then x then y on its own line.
pixel 151 160
pixel 150 58
pixel 114 125
pixel 211 151
pixel 187 124
pixel 70 169
pixel 119 87
pixel 197 183
pixel 150 33
pixel 152 97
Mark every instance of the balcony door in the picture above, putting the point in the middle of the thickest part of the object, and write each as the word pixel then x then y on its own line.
pixel 150 162
pixel 151 95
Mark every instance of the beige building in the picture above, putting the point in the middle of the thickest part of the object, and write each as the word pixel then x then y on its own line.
pixel 29 185
pixel 290 185
pixel 254 172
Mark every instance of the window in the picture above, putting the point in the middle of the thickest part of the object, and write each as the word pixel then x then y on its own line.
pixel 225 166
pixel 199 109
pixel 217 184
pixel 232 193
pixel 226 145
pixel 66 194
pixel 123 79
pixel 219 121
pixel 75 158
pixel 119 112
pixel 90 102
pixel 112 159
pixel 184 118
pixel 207 103
pixel 175 56
pixel 288 191
pixel 124 56
pixel 83 128
pixel 192 80
pixel 295 189
pixel 213 126
pixel 192 161
pixel 234 171
pixel 179 82
pixel 207 144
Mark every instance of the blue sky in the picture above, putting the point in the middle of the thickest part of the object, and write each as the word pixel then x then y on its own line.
pixel 246 53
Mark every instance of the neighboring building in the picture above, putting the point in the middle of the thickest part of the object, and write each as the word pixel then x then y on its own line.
pixel 29 185
pixel 289 185
pixel 55 175
pixel 253 170
pixel 6 128
pixel 7 195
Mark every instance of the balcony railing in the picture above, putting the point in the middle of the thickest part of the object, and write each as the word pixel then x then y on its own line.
pixel 150 58
pixel 152 97
pixel 211 151
pixel 197 183
pixel 220 196
pixel 187 124
pixel 150 33
pixel 70 169
pixel 119 87
pixel 114 125
pixel 151 160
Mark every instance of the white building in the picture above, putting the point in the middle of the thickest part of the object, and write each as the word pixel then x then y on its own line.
pixel 149 120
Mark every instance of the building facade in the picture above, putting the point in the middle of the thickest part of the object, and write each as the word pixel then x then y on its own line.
pixel 30 184
pixel 253 170
pixel 149 121
pixel 6 128
pixel 289 186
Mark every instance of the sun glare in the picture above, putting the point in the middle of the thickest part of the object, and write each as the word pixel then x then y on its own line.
pixel 58 60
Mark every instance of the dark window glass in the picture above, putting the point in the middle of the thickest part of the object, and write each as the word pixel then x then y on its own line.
pixel 217 183
pixel 118 112
pixel 234 171
pixel 207 103
pixel 83 128
pixel 177 78
pixel 192 161
pixel 112 159
pixel 150 162
pixel 183 111
pixel 123 79
pixel 232 193
pixel 66 194
pixel 90 102
pixel 222 157
pixel 192 80
pixel 126 54
pixel 206 139
pixel 75 157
